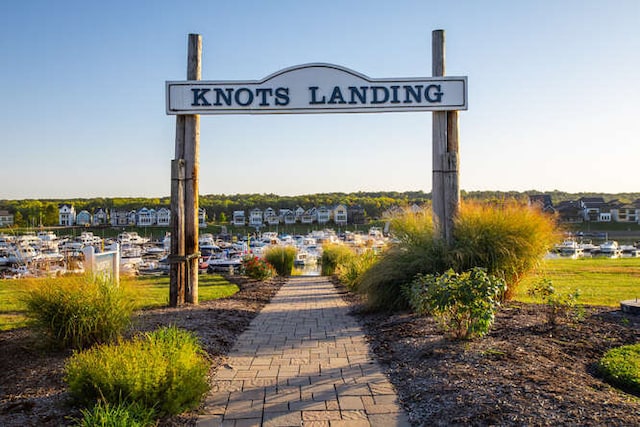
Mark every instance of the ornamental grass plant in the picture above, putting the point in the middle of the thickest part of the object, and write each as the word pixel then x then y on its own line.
pixel 281 258
pixel 78 311
pixel 165 370
pixel 507 239
pixel 334 255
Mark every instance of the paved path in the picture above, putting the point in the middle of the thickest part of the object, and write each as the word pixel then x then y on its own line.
pixel 302 362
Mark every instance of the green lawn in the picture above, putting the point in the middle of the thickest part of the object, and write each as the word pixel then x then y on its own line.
pixel 153 291
pixel 601 281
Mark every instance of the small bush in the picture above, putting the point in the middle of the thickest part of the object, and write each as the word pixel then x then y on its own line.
pixel 621 367
pixel 558 306
pixel 79 311
pixel 332 256
pixel 105 414
pixel 166 370
pixel 352 268
pixel 282 258
pixel 257 268
pixel 464 304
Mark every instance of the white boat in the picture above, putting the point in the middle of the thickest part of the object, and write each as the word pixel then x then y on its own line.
pixel 570 249
pixel 305 258
pixel 609 249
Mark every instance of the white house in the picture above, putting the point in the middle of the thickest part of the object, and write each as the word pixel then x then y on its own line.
pixel 6 219
pixel 83 218
pixel 255 217
pixel 340 215
pixel 323 215
pixel 163 217
pixel 202 217
pixel 288 216
pixel 146 217
pixel 238 218
pixel 310 216
pixel 66 215
pixel 298 213
pixel 270 217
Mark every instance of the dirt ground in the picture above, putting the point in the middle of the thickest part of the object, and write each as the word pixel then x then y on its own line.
pixel 522 373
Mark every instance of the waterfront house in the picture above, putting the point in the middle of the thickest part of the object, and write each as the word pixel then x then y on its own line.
pixel 145 217
pixel 238 218
pixel 356 215
pixel 163 217
pixel 623 212
pixel 255 217
pixel 83 218
pixel 309 217
pixel 202 217
pixel 270 217
pixel 6 218
pixel 340 215
pixel 66 215
pixel 119 218
pixel 323 215
pixel 288 216
pixel 543 201
pixel 100 217
pixel 591 207
pixel 299 211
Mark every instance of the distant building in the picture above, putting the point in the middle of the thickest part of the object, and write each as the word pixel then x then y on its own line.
pixel 6 218
pixel 543 201
pixel 83 218
pixel 66 215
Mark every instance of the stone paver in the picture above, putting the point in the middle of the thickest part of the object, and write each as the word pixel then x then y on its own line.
pixel 302 361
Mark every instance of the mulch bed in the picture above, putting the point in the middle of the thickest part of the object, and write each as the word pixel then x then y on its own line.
pixel 522 373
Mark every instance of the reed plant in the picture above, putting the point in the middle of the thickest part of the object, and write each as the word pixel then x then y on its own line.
pixel 334 255
pixel 281 258
pixel 352 268
pixel 165 370
pixel 78 311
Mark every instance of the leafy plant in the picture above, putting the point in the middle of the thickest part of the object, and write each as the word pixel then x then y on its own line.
pixel 281 258
pixel 79 311
pixel 557 305
pixel 257 268
pixel 165 369
pixel 620 366
pixel 464 304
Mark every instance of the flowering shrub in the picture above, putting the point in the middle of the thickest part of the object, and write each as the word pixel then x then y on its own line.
pixel 257 268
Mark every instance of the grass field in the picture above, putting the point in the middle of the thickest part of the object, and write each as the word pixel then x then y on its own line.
pixel 152 291
pixel 601 281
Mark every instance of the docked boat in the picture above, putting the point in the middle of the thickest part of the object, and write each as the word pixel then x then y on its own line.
pixel 609 249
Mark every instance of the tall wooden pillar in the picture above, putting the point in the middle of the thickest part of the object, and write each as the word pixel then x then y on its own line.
pixel 184 194
pixel 445 186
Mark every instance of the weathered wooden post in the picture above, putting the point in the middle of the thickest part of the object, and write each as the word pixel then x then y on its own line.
pixel 445 187
pixel 184 194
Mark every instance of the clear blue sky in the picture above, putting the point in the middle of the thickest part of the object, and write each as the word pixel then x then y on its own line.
pixel 553 95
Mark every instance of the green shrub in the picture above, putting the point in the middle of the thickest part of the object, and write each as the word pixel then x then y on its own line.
pixel 165 370
pixel 564 306
pixel 78 311
pixel 332 256
pixel 257 268
pixel 352 268
pixel 105 414
pixel 464 304
pixel 621 367
pixel 281 258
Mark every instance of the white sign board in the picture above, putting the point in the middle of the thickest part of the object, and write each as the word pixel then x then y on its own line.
pixel 316 88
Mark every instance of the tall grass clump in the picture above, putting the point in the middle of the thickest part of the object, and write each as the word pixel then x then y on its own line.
pixel 332 256
pixel 352 268
pixel 508 239
pixel 165 370
pixel 78 311
pixel 105 414
pixel 416 252
pixel 281 258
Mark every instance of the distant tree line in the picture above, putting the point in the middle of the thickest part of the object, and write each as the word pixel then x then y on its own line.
pixel 36 212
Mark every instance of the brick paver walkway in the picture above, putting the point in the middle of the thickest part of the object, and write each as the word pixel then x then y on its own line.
pixel 302 362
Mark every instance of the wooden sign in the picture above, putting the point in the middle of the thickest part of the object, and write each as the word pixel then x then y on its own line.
pixel 316 88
